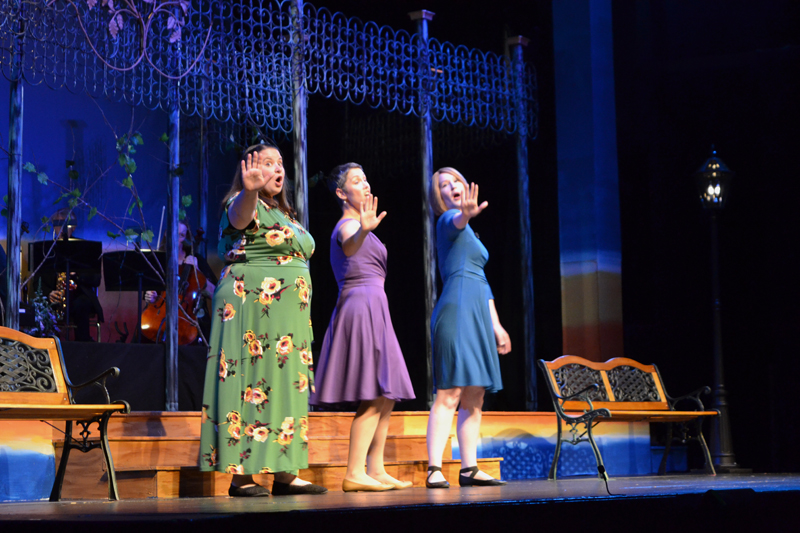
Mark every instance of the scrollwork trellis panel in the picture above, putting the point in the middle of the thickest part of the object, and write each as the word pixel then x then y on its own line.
pixel 233 62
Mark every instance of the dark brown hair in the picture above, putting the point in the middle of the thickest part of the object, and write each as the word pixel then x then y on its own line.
pixel 337 178
pixel 280 201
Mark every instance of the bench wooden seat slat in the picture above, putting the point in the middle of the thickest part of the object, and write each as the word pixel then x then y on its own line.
pixel 34 385
pixel 587 392
pixel 74 412
pixel 665 416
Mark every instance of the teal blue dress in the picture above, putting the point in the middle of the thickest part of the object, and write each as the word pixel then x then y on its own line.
pixel 464 346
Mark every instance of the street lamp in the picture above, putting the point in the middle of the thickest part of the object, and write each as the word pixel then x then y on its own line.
pixel 713 184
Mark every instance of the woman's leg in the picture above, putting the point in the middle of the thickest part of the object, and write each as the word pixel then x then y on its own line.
pixel 287 483
pixel 244 486
pixel 468 427
pixel 242 481
pixel 287 478
pixel 362 432
pixel 439 423
pixel 375 467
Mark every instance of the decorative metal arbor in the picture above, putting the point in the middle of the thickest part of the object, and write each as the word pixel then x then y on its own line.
pixel 256 62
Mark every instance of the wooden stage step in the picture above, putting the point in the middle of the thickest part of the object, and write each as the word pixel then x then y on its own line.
pixel 86 478
pixel 156 456
pixel 143 453
pixel 187 423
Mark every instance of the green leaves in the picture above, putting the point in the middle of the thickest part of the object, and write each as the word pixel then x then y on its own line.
pixel 41 176
pixel 73 174
pixel 137 202
pixel 131 234
pixel 126 162
pixel 125 145
pixel 164 138
pixel 186 201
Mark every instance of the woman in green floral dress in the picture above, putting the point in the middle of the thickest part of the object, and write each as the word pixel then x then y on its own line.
pixel 259 370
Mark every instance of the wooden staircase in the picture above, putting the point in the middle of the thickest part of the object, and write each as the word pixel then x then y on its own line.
pixel 156 456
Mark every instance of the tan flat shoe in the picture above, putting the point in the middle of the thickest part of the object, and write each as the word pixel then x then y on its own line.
pixel 352 486
pixel 402 485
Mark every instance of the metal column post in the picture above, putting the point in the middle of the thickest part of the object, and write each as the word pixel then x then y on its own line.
pixel 426 154
pixel 526 248
pixel 14 242
pixel 173 268
pixel 721 441
pixel 299 105
pixel 203 193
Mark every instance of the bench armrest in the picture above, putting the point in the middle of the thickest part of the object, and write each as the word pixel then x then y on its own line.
pixel 693 397
pixel 98 381
pixel 581 395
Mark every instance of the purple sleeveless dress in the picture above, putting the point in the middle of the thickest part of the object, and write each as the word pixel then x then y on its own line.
pixel 360 358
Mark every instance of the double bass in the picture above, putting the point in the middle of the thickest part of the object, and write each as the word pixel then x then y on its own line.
pixel 190 301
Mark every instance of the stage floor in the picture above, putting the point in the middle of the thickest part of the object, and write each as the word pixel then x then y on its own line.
pixel 574 500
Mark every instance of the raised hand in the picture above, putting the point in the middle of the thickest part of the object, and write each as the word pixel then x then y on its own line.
pixel 368 212
pixel 469 204
pixel 253 178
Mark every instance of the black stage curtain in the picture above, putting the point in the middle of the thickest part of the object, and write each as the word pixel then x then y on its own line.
pixel 142 379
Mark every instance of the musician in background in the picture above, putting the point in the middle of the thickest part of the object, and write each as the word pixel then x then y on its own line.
pixel 83 301
pixel 186 257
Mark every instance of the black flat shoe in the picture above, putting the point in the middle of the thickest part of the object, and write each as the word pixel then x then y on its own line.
pixel 249 492
pixel 287 489
pixel 470 481
pixel 436 484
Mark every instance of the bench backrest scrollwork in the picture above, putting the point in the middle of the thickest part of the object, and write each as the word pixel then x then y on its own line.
pixel 622 383
pixel 31 370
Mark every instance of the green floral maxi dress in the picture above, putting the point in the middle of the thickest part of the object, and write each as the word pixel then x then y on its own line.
pixel 259 370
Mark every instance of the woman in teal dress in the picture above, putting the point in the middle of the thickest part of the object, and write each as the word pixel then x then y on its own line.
pixel 259 370
pixel 466 332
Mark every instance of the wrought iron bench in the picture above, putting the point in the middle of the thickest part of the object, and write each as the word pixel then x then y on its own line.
pixel 585 393
pixel 34 385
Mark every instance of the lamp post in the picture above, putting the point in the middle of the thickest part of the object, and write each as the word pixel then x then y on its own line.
pixel 713 183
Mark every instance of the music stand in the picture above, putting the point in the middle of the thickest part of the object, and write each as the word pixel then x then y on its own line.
pixel 129 270
pixel 66 255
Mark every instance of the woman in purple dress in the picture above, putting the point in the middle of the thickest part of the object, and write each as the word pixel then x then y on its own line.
pixel 361 360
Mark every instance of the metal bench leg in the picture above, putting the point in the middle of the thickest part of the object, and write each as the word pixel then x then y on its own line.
pixel 55 494
pixel 662 468
pixel 113 494
pixel 706 454
pixel 601 469
pixel 554 466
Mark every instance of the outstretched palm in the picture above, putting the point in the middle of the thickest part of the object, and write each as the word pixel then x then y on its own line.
pixel 469 204
pixel 368 212
pixel 253 178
